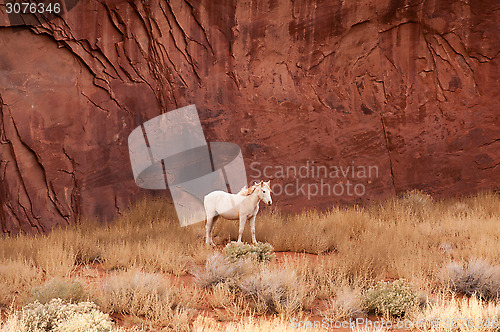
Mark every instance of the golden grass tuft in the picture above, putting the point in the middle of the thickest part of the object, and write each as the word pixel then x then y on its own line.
pixel 459 314
pixel 17 277
pixel 249 324
pixel 347 304
pixel 140 294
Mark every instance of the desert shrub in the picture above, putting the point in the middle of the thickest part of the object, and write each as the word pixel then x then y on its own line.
pixel 140 294
pixel 67 290
pixel 417 203
pixel 58 316
pixel 454 314
pixel 417 198
pixel 274 290
pixel 261 252
pixel 219 269
pixel 348 303
pixel 393 299
pixel 476 277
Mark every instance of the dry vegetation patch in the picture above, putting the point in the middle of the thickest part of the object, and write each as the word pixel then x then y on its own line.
pixel 133 265
pixel 68 290
pixel 459 314
pixel 58 316
pixel 476 277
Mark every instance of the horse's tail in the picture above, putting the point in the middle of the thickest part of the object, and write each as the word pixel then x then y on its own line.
pixel 206 200
pixel 210 205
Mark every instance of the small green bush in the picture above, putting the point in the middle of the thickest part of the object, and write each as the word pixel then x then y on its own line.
pixel 67 290
pixel 260 252
pixel 393 299
pixel 58 316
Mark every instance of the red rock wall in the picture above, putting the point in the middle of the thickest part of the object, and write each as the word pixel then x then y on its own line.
pixel 411 87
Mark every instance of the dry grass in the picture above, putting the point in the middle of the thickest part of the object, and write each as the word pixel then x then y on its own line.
pixel 219 269
pixel 72 291
pixel 275 290
pixel 327 274
pixel 148 234
pixel 269 287
pixel 395 239
pixel 249 324
pixel 413 237
pixel 140 294
pixel 222 296
pixel 347 304
pixel 17 277
pixel 460 314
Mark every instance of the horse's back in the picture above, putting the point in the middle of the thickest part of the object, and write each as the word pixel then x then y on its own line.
pixel 213 195
pixel 211 199
pixel 222 203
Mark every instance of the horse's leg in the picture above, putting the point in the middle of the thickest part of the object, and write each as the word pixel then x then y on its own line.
pixel 252 228
pixel 243 220
pixel 214 220
pixel 211 219
pixel 208 226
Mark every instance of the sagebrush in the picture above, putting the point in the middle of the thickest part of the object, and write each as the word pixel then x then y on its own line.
pixel 393 299
pixel 476 277
pixel 59 316
pixel 261 252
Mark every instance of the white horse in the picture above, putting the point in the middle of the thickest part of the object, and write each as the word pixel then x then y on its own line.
pixel 243 206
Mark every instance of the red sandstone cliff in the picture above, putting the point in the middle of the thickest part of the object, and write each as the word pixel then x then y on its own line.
pixel 411 87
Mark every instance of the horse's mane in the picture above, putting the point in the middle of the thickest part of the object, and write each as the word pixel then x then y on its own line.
pixel 247 191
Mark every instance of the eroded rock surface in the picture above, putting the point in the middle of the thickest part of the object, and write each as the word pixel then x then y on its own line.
pixel 411 87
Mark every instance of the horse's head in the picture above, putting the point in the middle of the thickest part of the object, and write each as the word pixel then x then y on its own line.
pixel 265 192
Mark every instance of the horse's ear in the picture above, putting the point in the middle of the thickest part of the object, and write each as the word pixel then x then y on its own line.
pixel 268 183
